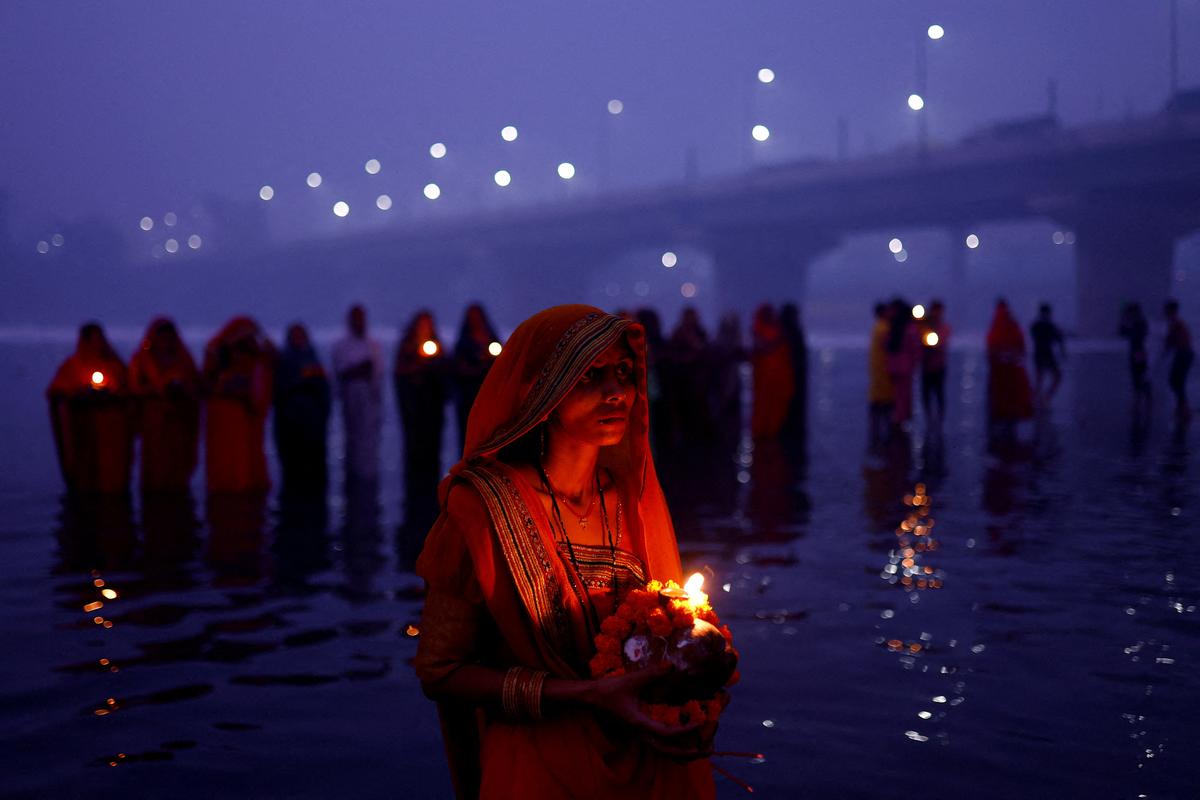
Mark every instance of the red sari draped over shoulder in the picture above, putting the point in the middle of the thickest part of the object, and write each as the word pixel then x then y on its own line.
pixel 91 420
pixel 166 383
pixel 500 595
pixel 237 376
pixel 774 381
pixel 1010 397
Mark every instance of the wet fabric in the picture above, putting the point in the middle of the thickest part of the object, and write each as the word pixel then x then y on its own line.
pixel 358 365
pixel 1010 396
pixel 164 379
pixel 500 594
pixel 92 419
pixel 774 382
pixel 302 401
pixel 238 366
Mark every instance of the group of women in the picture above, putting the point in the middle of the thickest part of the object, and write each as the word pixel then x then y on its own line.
pixel 99 406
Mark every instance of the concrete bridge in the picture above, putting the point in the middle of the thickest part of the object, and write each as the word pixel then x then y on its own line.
pixel 1128 190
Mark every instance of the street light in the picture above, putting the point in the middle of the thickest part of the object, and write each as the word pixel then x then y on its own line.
pixel 916 100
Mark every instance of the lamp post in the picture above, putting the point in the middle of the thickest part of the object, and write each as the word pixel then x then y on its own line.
pixel 917 101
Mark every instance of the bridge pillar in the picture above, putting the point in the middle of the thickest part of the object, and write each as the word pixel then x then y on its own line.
pixel 764 265
pixel 1121 255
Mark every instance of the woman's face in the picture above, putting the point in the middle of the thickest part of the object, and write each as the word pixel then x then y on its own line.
pixel 596 411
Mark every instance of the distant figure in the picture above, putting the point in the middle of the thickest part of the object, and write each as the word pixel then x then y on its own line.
pixel 1010 397
pixel 476 349
pixel 795 426
pixel 237 378
pixel 773 380
pixel 657 359
pixel 1178 346
pixel 164 378
pixel 903 352
pixel 358 365
pixel 1048 348
pixel 690 357
pixel 90 417
pixel 726 394
pixel 420 380
pixel 302 402
pixel 935 341
pixel 880 394
pixel 1136 329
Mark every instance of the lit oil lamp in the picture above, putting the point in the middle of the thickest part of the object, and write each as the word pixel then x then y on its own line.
pixel 494 348
pixel 918 312
pixel 98 379
pixel 693 588
pixel 429 347
pixel 931 339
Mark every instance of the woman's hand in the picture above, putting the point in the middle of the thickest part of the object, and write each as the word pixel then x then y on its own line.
pixel 619 697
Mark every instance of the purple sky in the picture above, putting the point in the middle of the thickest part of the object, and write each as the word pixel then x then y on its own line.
pixel 121 109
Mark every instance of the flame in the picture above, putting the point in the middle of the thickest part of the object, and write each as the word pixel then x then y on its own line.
pixel 693 587
pixel 494 348
pixel 931 339
pixel 429 347
pixel 98 378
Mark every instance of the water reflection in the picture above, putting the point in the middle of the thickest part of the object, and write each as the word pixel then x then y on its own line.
pixel 236 530
pixel 95 532
pixel 301 542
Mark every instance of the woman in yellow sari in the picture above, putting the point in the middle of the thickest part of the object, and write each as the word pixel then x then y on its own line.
pixel 553 514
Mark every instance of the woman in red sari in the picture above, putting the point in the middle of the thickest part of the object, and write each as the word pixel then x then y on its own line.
pixel 165 380
pixel 553 514
pixel 774 381
pixel 1010 397
pixel 89 413
pixel 238 367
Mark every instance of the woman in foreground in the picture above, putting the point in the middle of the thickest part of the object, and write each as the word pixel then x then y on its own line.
pixel 553 514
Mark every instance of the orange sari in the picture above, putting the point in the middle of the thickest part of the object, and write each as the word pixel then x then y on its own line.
pixel 1010 397
pixel 500 595
pixel 166 382
pixel 89 414
pixel 237 375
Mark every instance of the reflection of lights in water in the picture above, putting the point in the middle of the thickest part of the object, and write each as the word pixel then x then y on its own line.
pixel 914 539
pixel 93 606
pixel 495 348
pixel 109 594
pixel 412 630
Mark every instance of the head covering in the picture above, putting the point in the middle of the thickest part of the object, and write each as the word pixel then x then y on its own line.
pixel 148 374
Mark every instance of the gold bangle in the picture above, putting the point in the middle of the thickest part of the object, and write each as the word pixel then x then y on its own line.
pixel 508 692
pixel 533 699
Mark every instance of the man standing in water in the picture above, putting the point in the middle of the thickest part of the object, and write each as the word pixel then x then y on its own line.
pixel 358 364
pixel 1048 348
pixel 1178 346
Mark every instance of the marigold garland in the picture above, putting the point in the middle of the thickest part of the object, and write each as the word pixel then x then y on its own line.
pixel 645 612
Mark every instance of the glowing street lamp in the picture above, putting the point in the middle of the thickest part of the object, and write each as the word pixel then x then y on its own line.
pixel 432 191
pixel 766 75
pixel 916 102
pixel 615 107
pixel 341 208
pixel 508 133
pixel 935 32
pixel 566 170
pixel 760 133
pixel 502 178
pixel 437 150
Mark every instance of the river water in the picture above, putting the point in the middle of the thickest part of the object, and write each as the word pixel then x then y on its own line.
pixel 1046 646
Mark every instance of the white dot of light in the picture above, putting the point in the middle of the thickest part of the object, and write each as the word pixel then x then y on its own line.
pixel 437 150
pixel 669 259
pixel 760 133
pixel 57 240
pixel 931 339
pixel 1069 237
pixel 615 107
pixel 495 348
pixel 895 245
pixel 916 102
pixel 972 241
pixel 313 180
pixel 170 219
pixel 383 202
pixel 372 166
pixel 146 223
pixel 1058 237
pixel 502 178
pixel 341 208
pixel 508 133
pixel 98 378
pixel 429 347
pixel 566 170
pixel 688 289
pixel 936 32
pixel 171 246
pixel 43 246
pixel 902 256
pixel 266 193
pixel 432 191
pixel 194 241
pixel 766 75
pixel 918 311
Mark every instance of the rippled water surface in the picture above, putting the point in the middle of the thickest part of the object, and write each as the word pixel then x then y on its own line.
pixel 1046 645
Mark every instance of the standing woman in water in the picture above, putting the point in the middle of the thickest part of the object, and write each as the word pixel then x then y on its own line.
pixel 164 378
pixel 554 513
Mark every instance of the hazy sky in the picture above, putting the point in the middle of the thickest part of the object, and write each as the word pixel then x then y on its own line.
pixel 122 109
